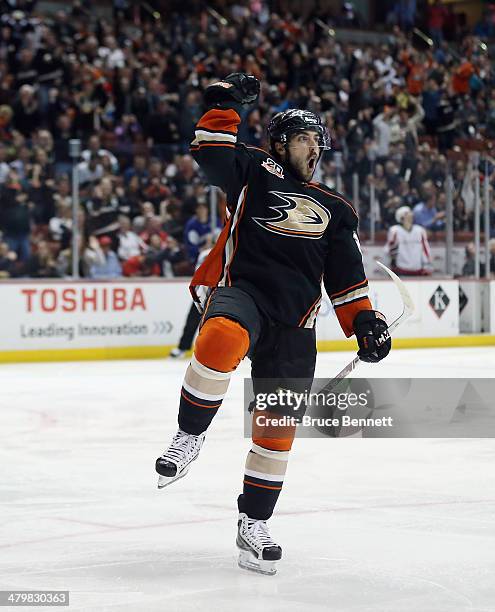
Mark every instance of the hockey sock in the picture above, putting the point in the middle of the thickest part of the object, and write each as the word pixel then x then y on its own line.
pixel 266 464
pixel 220 346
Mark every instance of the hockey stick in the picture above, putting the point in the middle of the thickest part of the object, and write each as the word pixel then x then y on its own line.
pixel 407 310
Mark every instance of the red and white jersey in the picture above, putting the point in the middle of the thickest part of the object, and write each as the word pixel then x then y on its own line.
pixel 409 249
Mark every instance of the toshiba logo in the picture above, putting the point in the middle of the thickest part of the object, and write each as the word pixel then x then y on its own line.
pixel 79 299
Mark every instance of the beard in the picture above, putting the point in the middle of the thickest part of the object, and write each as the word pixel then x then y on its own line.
pixel 303 168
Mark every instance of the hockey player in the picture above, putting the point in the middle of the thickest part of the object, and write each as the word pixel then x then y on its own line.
pixel 407 245
pixel 260 292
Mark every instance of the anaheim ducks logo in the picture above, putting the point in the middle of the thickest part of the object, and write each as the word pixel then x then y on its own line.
pixel 299 215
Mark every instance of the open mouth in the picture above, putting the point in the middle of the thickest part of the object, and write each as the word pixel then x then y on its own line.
pixel 312 163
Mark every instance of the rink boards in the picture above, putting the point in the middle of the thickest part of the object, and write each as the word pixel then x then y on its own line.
pixel 65 320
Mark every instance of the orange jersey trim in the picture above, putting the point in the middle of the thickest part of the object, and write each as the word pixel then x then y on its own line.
pixel 348 312
pixel 210 271
pixel 218 120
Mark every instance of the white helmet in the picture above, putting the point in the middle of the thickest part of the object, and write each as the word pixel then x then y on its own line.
pixel 401 212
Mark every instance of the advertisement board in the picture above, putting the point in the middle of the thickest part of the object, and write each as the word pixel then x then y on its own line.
pixel 71 320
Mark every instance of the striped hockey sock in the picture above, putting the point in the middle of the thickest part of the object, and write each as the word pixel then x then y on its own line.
pixel 202 394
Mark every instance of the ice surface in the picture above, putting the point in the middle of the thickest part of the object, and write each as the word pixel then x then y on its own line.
pixel 366 525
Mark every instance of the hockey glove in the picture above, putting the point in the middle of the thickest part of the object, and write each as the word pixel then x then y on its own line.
pixel 372 335
pixel 237 89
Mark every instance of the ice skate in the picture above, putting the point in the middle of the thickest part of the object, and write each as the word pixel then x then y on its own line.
pixel 177 353
pixel 257 551
pixel 176 460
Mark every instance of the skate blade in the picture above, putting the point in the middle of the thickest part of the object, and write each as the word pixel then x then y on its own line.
pixel 248 561
pixel 164 481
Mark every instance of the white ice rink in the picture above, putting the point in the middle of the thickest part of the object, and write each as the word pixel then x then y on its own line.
pixel 366 525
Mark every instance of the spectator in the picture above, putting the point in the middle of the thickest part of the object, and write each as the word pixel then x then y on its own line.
pixel 437 14
pixel 94 149
pixel 101 260
pixel 7 261
pixel 22 163
pixel 4 166
pixel 407 245
pixel 469 266
pixel 60 226
pixel 103 209
pixel 162 256
pixel 130 244
pixel 41 263
pixel 197 231
pixel 383 131
pixel 6 114
pixel 90 171
pixel 26 117
pixel 15 217
pixel 162 130
pixel 138 170
pixel 427 215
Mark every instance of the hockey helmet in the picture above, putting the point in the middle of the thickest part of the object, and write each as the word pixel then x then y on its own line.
pixel 286 123
pixel 401 212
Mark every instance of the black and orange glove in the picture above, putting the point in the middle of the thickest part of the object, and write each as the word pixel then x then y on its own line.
pixel 372 335
pixel 236 89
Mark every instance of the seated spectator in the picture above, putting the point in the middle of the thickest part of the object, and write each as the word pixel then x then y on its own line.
pixel 40 184
pixel 138 169
pixel 162 256
pixel 103 209
pixel 15 216
pixel 100 259
pixel 172 219
pixel 41 263
pixel 22 162
pixel 91 170
pixel 153 227
pixel 94 149
pixel 491 247
pixel 4 166
pixel 6 114
pixel 427 215
pixel 130 244
pixel 7 261
pixel 60 226
pixel 27 116
pixel 155 191
pixel 197 231
pixel 162 130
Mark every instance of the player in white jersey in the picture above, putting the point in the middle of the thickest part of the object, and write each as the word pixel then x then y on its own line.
pixel 407 245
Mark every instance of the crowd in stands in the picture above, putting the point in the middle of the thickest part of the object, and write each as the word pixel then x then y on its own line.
pixel 130 88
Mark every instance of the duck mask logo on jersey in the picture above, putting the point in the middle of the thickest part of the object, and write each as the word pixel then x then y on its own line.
pixel 299 216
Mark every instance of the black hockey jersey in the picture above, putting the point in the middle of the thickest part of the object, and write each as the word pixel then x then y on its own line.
pixel 283 236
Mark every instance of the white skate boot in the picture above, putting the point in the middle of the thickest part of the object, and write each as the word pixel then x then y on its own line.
pixel 176 460
pixel 257 551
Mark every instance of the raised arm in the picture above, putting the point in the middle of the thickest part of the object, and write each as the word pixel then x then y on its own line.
pixel 215 147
